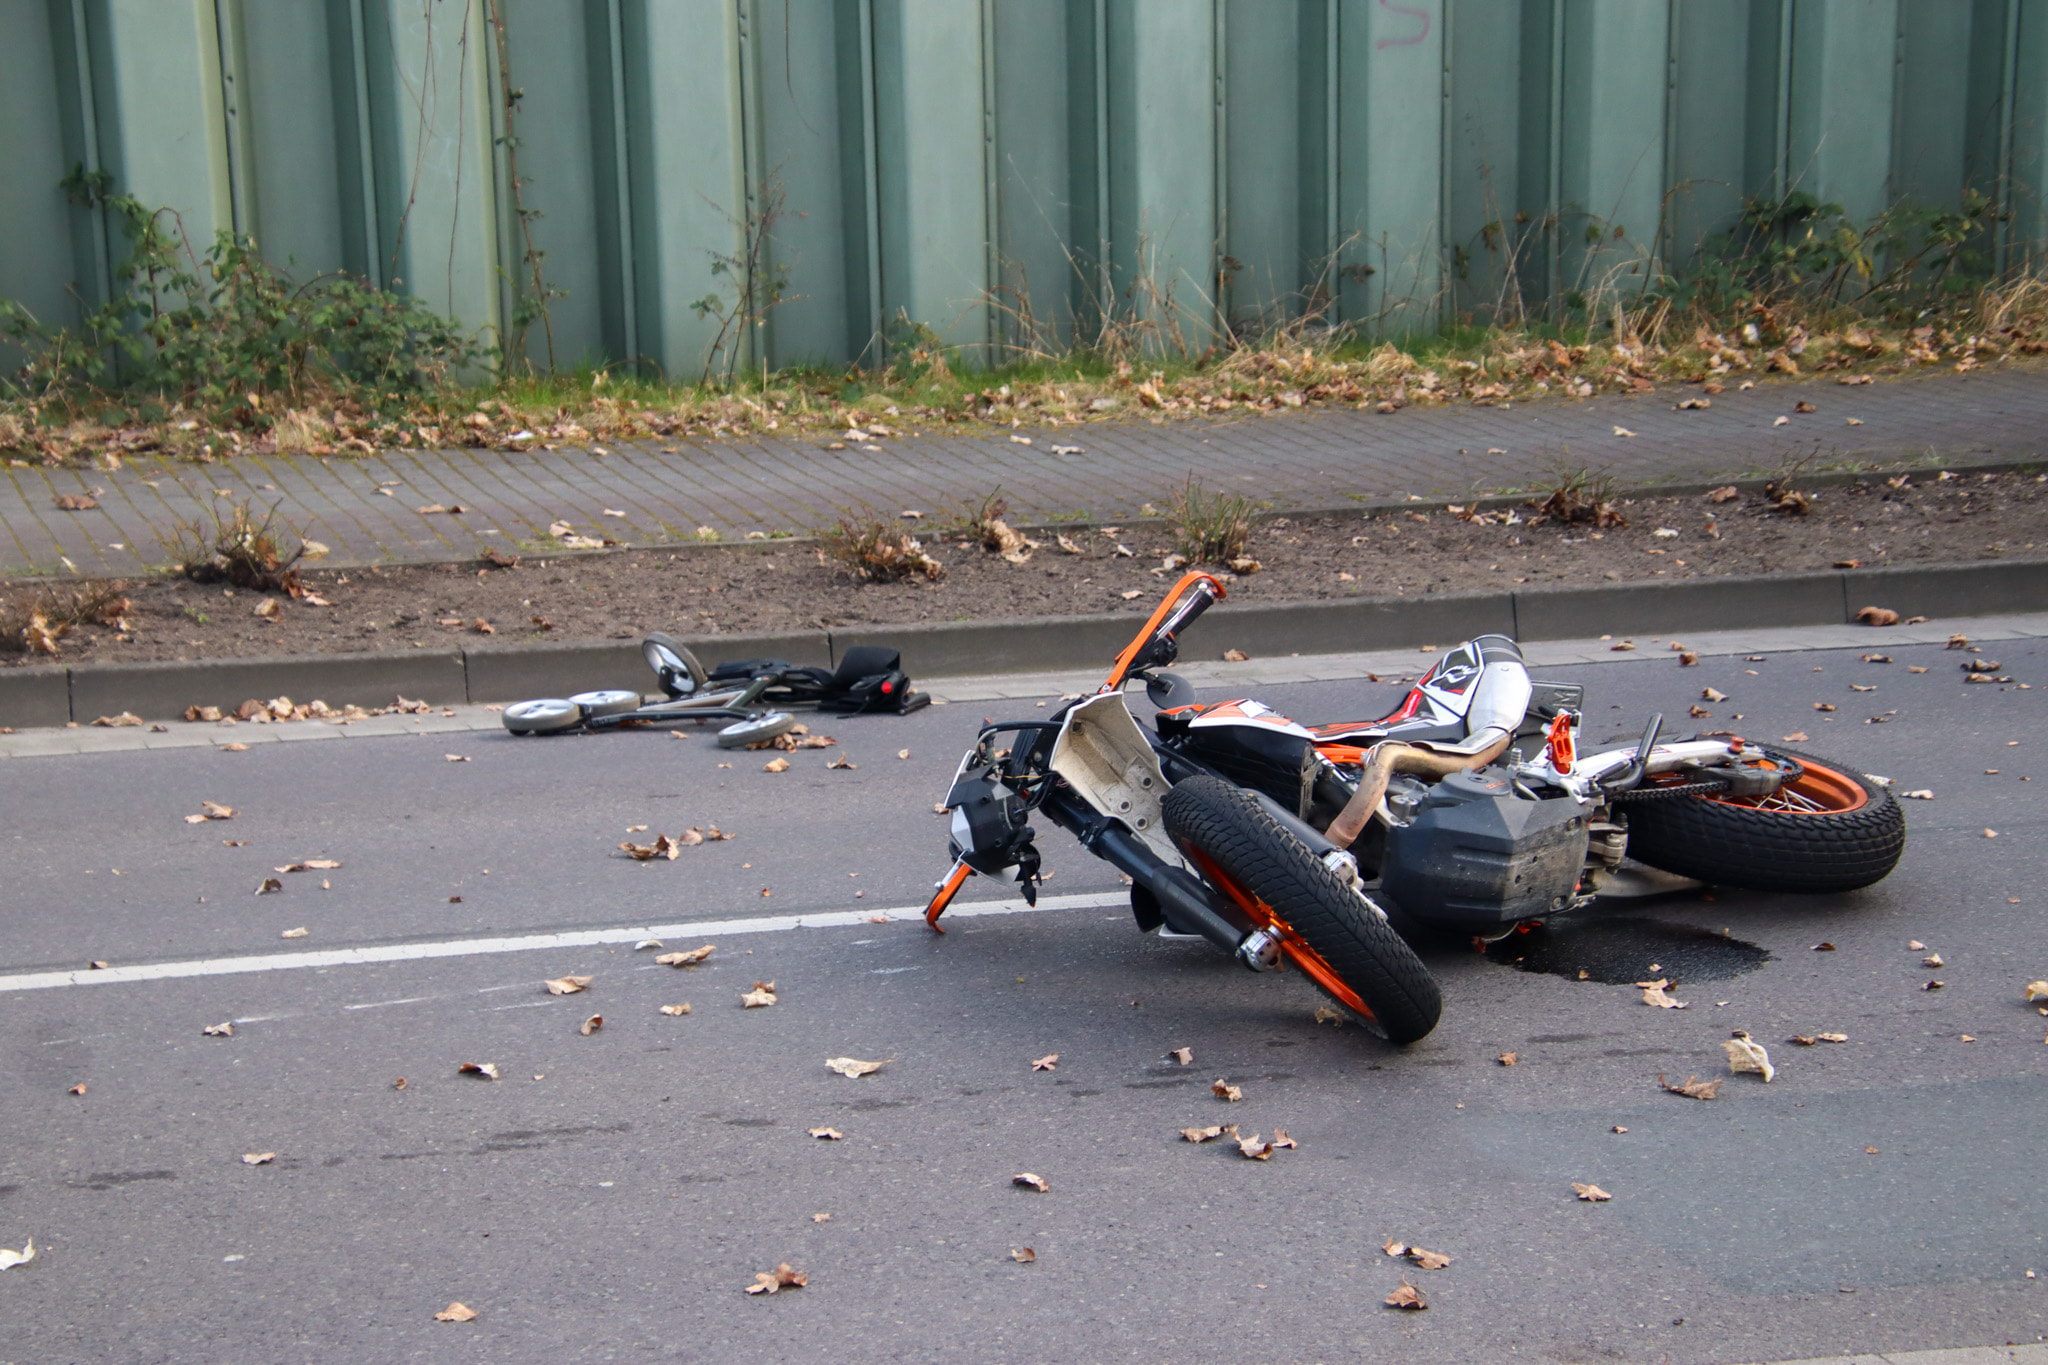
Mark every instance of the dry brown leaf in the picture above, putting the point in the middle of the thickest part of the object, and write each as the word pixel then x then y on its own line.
pixel 1199 1135
pixel 299 932
pixel 269 886
pixel 1049 1062
pixel 258 1158
pixel 1254 1150
pixel 782 1277
pixel 1280 1139
pixel 1832 1037
pixel 1025 1254
pixel 1796 737
pixel 1824 947
pixel 1407 1296
pixel 681 1009
pixel 399 1084
pixel 1325 1015
pixel 2037 991
pixel 1726 493
pixel 456 1312
pixel 1591 1194
pixel 686 959
pixel 1507 1059
pixel 827 1134
pixel 1654 994
pixel 1932 985
pixel 312 865
pixel 1224 1090
pixel 568 985
pixel 1932 960
pixel 1712 694
pixel 761 996
pixel 76 502
pixel 843 762
pixel 777 764
pixel 212 810
pixel 1183 1055
pixel 1395 1247
pixel 821 1218
pixel 487 1070
pixel 1235 656
pixel 225 1029
pixel 1428 1260
pixel 1694 1088
pixel 78 1089
pixel 1031 1181
pixel 1746 1054
pixel 10 1258
pixel 1878 616
pixel 591 1025
pixel 853 1067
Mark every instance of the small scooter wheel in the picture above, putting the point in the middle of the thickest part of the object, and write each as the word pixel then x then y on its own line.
pixel 680 673
pixel 767 725
pixel 542 717
pixel 607 703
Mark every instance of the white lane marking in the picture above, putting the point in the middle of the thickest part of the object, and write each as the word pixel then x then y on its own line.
pixel 380 1004
pixel 526 943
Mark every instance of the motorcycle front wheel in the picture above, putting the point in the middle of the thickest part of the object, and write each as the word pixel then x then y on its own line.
pixel 1327 929
pixel 1829 829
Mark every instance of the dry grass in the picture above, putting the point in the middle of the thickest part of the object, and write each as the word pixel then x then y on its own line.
pixel 239 549
pixel 877 552
pixel 33 622
pixel 1210 528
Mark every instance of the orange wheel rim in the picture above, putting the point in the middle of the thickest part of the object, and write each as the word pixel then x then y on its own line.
pixel 1311 962
pixel 1819 790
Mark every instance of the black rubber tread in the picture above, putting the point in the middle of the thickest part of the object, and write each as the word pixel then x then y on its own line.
pixel 1763 850
pixel 1229 825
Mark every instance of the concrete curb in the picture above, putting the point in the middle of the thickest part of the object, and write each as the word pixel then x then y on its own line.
pixel 53 694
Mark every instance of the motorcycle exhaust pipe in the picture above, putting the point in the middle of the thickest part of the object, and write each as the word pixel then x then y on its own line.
pixel 1182 899
pixel 1390 758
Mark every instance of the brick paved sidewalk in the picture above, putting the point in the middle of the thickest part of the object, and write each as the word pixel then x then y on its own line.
pixel 366 509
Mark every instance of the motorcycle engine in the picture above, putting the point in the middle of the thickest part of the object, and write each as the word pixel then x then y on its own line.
pixel 1476 855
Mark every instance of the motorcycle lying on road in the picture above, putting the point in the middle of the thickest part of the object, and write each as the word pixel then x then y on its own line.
pixel 1282 842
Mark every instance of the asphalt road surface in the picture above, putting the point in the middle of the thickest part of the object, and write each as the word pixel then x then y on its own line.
pixel 612 1194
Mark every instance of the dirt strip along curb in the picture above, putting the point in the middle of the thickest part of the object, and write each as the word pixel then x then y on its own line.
pixel 44 695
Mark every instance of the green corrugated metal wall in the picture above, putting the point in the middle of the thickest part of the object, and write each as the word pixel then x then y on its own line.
pixel 997 169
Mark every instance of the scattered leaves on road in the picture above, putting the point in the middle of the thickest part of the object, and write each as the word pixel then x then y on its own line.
pixel 1325 1015
pixel 456 1312
pixel 1507 1059
pixel 1878 616
pixel 258 1158
pixel 487 1070
pixel 827 1134
pixel 760 997
pixel 1025 1255
pixel 568 985
pixel 224 1029
pixel 211 810
pixel 1031 1181
pixel 1049 1062
pixel 782 1277
pixel 843 763
pixel 1745 1054
pixel 2037 991
pixel 778 764
pixel 1654 994
pixel 1694 1088
pixel 1224 1090
pixel 662 847
pixel 299 932
pixel 1408 1296
pixel 1184 1055
pixel 1252 1149
pixel 10 1258
pixel 683 1008
pixel 312 865
pixel 591 1025
pixel 853 1067
pixel 1200 1135
pixel 1591 1194
pixel 685 959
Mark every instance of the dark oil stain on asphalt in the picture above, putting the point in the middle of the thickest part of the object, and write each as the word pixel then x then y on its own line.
pixel 1621 951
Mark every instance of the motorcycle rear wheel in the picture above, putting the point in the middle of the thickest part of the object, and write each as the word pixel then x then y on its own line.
pixel 1328 930
pixel 1829 830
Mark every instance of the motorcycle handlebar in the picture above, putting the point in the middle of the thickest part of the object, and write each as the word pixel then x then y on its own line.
pixel 1189 599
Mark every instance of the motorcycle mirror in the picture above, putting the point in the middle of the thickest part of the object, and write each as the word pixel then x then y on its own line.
pixel 1168 690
